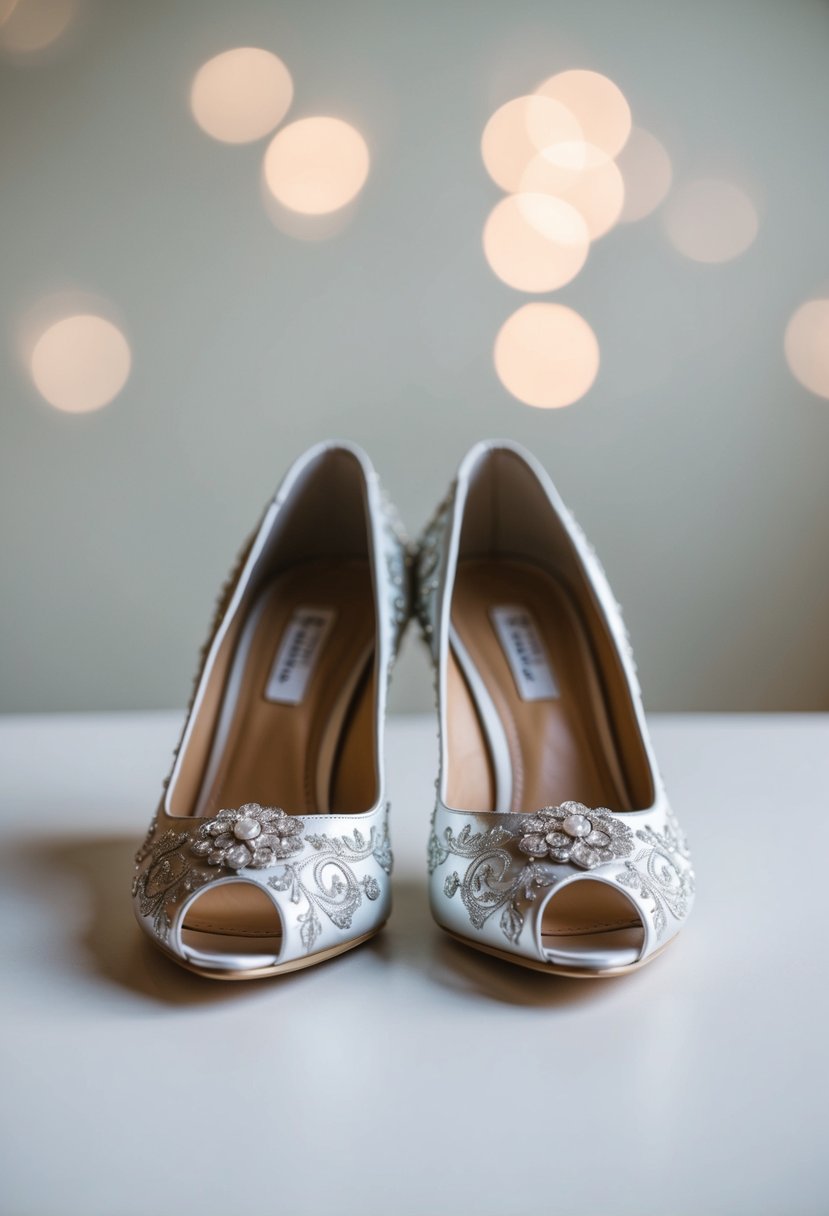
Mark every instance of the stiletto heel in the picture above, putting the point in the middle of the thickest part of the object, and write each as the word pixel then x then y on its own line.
pixel 553 844
pixel 270 849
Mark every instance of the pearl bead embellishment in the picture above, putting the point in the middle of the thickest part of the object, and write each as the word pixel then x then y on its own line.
pixel 577 825
pixel 574 834
pixel 246 829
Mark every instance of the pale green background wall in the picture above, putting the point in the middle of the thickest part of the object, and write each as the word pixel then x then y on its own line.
pixel 697 465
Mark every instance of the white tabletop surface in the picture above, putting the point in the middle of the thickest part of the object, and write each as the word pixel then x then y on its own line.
pixel 415 1075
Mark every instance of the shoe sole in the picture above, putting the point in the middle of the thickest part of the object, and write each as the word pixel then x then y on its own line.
pixel 553 968
pixel 258 973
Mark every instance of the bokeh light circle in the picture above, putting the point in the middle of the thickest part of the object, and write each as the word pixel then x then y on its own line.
pixel 29 26
pixel 80 363
pixel 546 355
pixel 518 131
pixel 7 7
pixel 316 165
pixel 806 345
pixel 241 94
pixel 709 220
pixel 598 104
pixel 535 242
pixel 647 173
pixel 585 177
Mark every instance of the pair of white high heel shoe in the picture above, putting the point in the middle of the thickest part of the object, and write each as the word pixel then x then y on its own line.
pixel 552 841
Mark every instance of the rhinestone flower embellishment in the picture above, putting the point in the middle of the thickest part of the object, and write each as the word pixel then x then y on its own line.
pixel 253 836
pixel 576 834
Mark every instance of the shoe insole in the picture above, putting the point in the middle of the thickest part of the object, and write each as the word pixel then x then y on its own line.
pixel 295 728
pixel 527 719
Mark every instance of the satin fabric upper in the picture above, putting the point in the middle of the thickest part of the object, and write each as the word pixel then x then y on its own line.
pixel 328 875
pixel 483 883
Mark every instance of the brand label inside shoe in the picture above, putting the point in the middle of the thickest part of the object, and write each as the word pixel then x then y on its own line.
pixel 298 654
pixel 525 653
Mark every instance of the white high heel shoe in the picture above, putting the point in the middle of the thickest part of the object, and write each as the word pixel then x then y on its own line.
pixel 270 849
pixel 553 844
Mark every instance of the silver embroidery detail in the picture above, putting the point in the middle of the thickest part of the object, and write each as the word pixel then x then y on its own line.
pixel 427 563
pixel 146 845
pixel 509 864
pixel 661 874
pixel 168 878
pixel 325 882
pixel 178 863
pixel 398 563
pixel 491 882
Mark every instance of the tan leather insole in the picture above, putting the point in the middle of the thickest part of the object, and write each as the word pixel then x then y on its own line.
pixel 313 757
pixel 586 909
pixel 560 749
